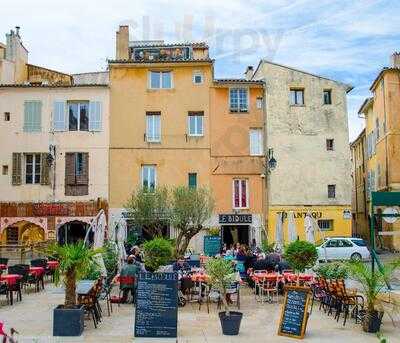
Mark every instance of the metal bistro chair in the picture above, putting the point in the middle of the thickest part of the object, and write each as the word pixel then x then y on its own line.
pixel 258 283
pixel 348 300
pixel 269 287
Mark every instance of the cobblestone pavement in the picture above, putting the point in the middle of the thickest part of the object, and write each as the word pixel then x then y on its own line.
pixel 33 319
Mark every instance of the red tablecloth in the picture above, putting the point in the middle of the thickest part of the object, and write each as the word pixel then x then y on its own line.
pixel 11 279
pixel 53 264
pixel 259 277
pixel 290 277
pixel 199 278
pixel 3 266
pixel 36 271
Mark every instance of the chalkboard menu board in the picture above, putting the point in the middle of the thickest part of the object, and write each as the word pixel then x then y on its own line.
pixel 156 312
pixel 212 245
pixel 294 313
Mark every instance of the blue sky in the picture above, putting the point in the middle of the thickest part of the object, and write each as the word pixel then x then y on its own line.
pixel 349 41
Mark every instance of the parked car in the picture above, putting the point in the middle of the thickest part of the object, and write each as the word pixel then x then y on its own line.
pixel 343 248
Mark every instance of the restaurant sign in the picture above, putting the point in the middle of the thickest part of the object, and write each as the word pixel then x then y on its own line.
pixel 235 218
pixel 302 214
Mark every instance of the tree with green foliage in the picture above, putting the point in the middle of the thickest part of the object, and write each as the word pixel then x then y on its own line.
pixel 157 253
pixel 149 209
pixel 191 208
pixel 75 262
pixel 221 275
pixel 301 255
pixel 374 284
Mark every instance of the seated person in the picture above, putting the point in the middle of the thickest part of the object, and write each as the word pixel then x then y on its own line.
pixel 131 268
pixel 179 265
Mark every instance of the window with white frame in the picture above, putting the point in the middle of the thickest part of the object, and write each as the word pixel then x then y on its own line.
pixel 32 168
pixel 149 177
pixel 256 142
pixel 238 100
pixel 78 115
pixel 198 77
pixel 153 126
pixel 160 79
pixel 325 224
pixel 240 193
pixel 195 123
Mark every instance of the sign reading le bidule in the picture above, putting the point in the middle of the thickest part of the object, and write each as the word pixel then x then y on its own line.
pixel 156 313
pixel 235 219
pixel 294 313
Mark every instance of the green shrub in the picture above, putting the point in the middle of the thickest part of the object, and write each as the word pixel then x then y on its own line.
pixel 157 253
pixel 93 273
pixel 301 255
pixel 267 247
pixel 333 271
pixel 110 257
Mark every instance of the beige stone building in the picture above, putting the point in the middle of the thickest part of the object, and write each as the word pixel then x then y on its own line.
pixel 54 155
pixel 307 133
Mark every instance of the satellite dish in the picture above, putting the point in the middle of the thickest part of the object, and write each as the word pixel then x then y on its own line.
pixel 390 210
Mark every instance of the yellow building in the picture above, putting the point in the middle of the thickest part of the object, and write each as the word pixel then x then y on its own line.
pixel 382 129
pixel 160 122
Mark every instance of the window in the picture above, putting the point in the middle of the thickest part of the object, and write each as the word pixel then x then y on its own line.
pixel 5 170
pixel 325 224
pixel 240 194
pixel 256 142
pixel 32 168
pixel 377 128
pixel 327 97
pixel 149 178
pixel 359 242
pixel 153 126
pixel 198 78
pixel 195 123
pixel 160 79
pixel 238 99
pixel 344 243
pixel 78 116
pixel 192 180
pixel 259 103
pixel 331 191
pixel 76 173
pixel 33 116
pixel 7 116
pixel 333 243
pixel 329 144
pixel 297 97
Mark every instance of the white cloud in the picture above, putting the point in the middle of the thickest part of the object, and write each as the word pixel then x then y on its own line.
pixel 346 40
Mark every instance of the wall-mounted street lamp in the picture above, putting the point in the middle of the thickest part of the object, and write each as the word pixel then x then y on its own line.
pixel 271 162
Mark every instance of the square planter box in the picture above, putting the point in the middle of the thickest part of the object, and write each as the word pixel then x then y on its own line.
pixel 68 321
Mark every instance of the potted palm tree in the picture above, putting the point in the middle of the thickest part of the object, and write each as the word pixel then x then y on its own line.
pixel 221 275
pixel 75 262
pixel 373 285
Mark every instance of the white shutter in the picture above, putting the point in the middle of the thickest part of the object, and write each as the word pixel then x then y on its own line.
pixel 59 116
pixel 95 116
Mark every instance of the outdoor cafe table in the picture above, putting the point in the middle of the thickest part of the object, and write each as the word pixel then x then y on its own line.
pixel 36 271
pixel 85 286
pixel 11 280
pixel 291 277
pixel 53 264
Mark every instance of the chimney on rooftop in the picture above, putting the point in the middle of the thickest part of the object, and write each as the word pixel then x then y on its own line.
pixel 122 43
pixel 17 28
pixel 395 60
pixel 249 72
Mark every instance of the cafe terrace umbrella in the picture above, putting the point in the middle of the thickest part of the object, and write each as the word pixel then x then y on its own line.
pixel 98 227
pixel 309 228
pixel 292 232
pixel 121 233
pixel 279 232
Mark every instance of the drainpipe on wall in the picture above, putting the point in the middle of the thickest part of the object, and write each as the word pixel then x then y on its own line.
pixel 266 174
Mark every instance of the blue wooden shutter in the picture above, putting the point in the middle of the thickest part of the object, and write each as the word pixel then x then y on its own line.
pixel 95 116
pixel 32 116
pixel 59 116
